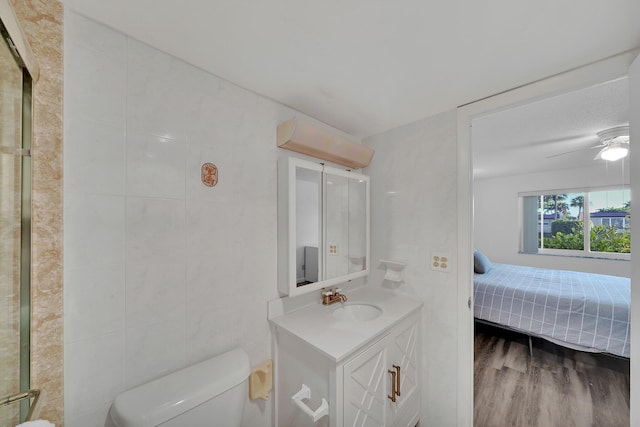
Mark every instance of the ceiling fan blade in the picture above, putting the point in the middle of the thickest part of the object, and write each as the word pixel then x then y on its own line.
pixel 575 151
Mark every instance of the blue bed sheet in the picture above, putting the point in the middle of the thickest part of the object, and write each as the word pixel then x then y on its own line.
pixel 581 310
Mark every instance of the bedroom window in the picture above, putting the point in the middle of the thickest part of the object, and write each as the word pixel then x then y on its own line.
pixel 593 223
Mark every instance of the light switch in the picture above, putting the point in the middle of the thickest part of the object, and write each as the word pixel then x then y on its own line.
pixel 440 261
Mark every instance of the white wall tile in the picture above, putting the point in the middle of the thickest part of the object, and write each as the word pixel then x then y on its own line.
pixel 233 248
pixel 155 282
pixel 413 205
pixel 154 350
pixel 95 418
pixel 154 287
pixel 94 302
pixel 115 9
pixel 163 93
pixel 95 62
pixel 155 166
pixel 215 325
pixel 94 158
pixel 93 231
pixel 94 371
pixel 155 229
pixel 155 271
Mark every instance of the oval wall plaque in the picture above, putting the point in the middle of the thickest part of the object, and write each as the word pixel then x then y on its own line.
pixel 209 174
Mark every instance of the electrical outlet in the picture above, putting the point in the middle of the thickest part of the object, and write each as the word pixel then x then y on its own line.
pixel 333 249
pixel 441 261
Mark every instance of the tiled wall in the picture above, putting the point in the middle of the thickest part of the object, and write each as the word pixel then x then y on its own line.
pixel 414 212
pixel 42 22
pixel 160 270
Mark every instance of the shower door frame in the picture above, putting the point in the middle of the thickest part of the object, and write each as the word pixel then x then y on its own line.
pixel 25 60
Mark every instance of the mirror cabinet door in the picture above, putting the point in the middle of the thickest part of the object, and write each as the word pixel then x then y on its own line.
pixel 336 226
pixel 323 223
pixel 358 225
pixel 308 216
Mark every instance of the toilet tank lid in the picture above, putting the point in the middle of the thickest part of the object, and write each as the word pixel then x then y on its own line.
pixel 167 397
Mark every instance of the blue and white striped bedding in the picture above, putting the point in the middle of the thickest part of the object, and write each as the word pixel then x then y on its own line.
pixel 581 310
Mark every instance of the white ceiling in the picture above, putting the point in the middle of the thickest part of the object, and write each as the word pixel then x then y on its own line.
pixel 366 66
pixel 520 140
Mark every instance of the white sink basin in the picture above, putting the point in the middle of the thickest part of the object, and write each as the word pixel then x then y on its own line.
pixel 356 312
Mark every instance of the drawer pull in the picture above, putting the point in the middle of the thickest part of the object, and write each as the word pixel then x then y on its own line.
pixel 397 379
pixel 393 385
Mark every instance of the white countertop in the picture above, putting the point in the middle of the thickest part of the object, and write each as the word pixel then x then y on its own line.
pixel 337 339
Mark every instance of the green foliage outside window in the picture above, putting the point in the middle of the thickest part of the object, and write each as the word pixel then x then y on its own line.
pixel 560 240
pixel 603 238
pixel 607 238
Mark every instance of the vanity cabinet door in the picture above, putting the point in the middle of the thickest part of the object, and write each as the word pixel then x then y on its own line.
pixel 369 382
pixel 365 387
pixel 403 349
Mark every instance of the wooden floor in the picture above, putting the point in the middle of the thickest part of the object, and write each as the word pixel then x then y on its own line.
pixel 556 387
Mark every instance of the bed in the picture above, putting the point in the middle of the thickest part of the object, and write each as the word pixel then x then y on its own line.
pixel 583 311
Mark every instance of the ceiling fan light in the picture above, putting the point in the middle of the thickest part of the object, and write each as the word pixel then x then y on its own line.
pixel 614 152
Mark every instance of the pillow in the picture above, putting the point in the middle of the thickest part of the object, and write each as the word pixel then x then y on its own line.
pixel 481 263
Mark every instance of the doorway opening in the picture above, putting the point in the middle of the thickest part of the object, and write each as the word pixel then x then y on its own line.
pixel 594 74
pixel 541 193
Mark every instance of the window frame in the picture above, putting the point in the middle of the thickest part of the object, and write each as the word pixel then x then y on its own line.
pixel 576 253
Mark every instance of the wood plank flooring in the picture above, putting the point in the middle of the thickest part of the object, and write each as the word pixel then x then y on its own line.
pixel 556 387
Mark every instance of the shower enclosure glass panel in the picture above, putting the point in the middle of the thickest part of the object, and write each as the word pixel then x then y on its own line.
pixel 15 221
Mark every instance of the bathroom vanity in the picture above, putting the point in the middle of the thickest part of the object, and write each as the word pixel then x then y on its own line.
pixel 356 360
pixel 362 357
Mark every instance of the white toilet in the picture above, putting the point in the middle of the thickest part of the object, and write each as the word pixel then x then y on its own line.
pixel 210 393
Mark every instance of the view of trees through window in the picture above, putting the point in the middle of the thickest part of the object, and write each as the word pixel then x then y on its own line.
pixel 563 218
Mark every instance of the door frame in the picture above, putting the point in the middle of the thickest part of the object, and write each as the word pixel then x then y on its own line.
pixel 591 74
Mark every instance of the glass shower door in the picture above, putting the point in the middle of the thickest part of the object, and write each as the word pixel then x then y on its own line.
pixel 15 211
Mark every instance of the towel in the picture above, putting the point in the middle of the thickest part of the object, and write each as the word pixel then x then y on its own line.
pixel 36 423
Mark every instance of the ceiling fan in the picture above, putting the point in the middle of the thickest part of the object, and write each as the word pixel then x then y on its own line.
pixel 614 144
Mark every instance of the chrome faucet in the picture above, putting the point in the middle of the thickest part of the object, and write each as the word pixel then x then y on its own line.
pixel 333 296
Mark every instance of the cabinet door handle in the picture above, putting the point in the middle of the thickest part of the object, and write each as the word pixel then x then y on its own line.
pixel 393 385
pixel 397 379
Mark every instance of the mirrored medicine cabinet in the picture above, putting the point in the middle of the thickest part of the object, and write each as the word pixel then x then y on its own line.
pixel 323 226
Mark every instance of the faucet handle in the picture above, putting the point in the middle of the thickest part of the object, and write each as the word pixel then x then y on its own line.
pixel 337 291
pixel 327 293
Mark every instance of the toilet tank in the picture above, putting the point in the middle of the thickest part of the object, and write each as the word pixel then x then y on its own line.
pixel 209 393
